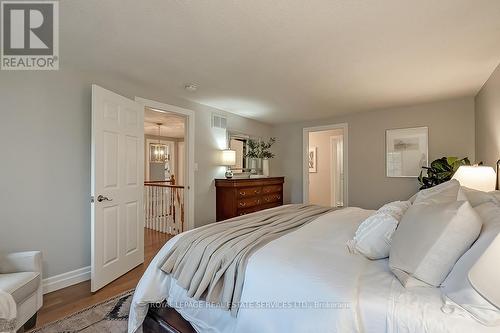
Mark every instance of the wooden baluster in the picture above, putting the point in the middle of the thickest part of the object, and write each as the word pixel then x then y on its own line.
pixel 164 209
pixel 174 217
pixel 158 208
pixel 145 206
pixel 155 222
pixel 148 209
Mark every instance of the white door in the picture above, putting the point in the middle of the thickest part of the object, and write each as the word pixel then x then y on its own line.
pixel 117 186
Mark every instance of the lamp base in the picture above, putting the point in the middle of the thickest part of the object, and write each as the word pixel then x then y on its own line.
pixel 498 175
pixel 229 174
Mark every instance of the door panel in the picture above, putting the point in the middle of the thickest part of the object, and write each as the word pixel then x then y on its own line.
pixel 133 213
pixel 117 176
pixel 131 160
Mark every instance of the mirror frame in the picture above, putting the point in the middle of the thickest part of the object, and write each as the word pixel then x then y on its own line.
pixel 231 134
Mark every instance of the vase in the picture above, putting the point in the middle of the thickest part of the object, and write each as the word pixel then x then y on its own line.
pixel 256 165
pixel 265 167
pixel 253 165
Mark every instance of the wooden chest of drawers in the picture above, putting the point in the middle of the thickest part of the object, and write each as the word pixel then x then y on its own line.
pixel 237 197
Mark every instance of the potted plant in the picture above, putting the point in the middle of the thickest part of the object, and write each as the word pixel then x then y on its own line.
pixel 440 171
pixel 259 153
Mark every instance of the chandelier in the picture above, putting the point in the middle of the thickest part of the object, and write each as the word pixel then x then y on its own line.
pixel 158 152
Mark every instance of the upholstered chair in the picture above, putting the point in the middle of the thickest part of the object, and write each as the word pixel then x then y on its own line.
pixel 21 277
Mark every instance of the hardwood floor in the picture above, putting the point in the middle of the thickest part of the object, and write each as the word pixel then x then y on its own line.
pixel 63 302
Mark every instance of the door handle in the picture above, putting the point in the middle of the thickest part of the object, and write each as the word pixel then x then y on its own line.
pixel 102 198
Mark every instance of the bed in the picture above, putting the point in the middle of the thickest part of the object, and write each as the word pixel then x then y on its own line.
pixel 307 281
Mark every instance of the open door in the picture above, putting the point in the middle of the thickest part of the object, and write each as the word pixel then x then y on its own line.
pixel 117 186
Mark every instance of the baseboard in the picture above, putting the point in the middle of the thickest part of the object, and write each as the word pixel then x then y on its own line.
pixel 64 280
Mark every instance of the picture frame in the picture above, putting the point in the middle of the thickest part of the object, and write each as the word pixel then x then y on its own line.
pixel 313 159
pixel 407 151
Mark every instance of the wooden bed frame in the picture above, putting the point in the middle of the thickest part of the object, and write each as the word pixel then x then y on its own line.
pixel 164 319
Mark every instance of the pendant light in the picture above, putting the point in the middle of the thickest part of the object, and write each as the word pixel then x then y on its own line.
pixel 158 151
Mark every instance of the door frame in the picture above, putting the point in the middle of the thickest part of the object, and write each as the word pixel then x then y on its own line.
pixel 189 144
pixel 334 168
pixel 305 158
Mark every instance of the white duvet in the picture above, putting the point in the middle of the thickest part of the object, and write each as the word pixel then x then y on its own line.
pixel 307 281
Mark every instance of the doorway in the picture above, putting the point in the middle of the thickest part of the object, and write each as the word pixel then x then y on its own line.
pixel 182 163
pixel 325 165
pixel 164 163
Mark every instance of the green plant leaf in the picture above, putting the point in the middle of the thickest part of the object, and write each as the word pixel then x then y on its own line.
pixel 440 171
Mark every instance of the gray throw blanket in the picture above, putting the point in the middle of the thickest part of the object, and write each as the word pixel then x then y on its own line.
pixel 210 261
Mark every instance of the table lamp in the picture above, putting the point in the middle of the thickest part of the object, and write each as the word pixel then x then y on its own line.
pixel 229 160
pixel 476 177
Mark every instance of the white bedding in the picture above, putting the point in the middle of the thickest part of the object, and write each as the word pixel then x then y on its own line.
pixel 307 281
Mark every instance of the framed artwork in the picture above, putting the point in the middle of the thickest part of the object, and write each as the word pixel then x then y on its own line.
pixel 313 159
pixel 407 151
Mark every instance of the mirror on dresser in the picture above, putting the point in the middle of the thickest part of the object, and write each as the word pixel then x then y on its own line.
pixel 239 143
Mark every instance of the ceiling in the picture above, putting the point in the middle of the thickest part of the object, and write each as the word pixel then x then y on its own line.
pixel 172 125
pixel 289 60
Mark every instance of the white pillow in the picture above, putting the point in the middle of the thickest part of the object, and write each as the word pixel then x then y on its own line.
pixel 396 209
pixel 442 193
pixel 459 294
pixel 373 237
pixel 477 198
pixel 430 239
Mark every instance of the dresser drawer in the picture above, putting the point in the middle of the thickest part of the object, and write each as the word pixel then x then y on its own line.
pixel 237 197
pixel 249 202
pixel 271 189
pixel 275 197
pixel 269 205
pixel 248 210
pixel 246 192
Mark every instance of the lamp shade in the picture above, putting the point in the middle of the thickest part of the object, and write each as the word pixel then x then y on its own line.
pixel 229 157
pixel 478 177
pixel 484 275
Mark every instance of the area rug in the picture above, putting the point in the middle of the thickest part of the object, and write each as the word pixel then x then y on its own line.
pixel 110 316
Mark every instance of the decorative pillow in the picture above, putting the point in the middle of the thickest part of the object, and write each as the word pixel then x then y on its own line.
pixel 459 294
pixel 477 198
pixel 430 239
pixel 373 237
pixel 396 209
pixel 442 193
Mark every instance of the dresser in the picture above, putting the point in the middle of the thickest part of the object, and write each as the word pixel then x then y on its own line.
pixel 237 197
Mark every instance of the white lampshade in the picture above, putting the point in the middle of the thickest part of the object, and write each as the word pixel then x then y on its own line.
pixel 229 157
pixel 478 177
pixel 485 275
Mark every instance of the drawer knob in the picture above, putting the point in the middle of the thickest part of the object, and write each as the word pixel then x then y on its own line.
pixel 242 194
pixel 243 204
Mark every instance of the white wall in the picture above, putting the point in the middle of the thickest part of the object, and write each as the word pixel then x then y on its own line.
pixel 488 120
pixel 45 130
pixel 451 133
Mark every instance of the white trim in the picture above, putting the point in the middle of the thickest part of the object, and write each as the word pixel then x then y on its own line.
pixel 333 171
pixel 305 151
pixel 190 162
pixel 64 280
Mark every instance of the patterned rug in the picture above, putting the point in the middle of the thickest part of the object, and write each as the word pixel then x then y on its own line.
pixel 110 316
